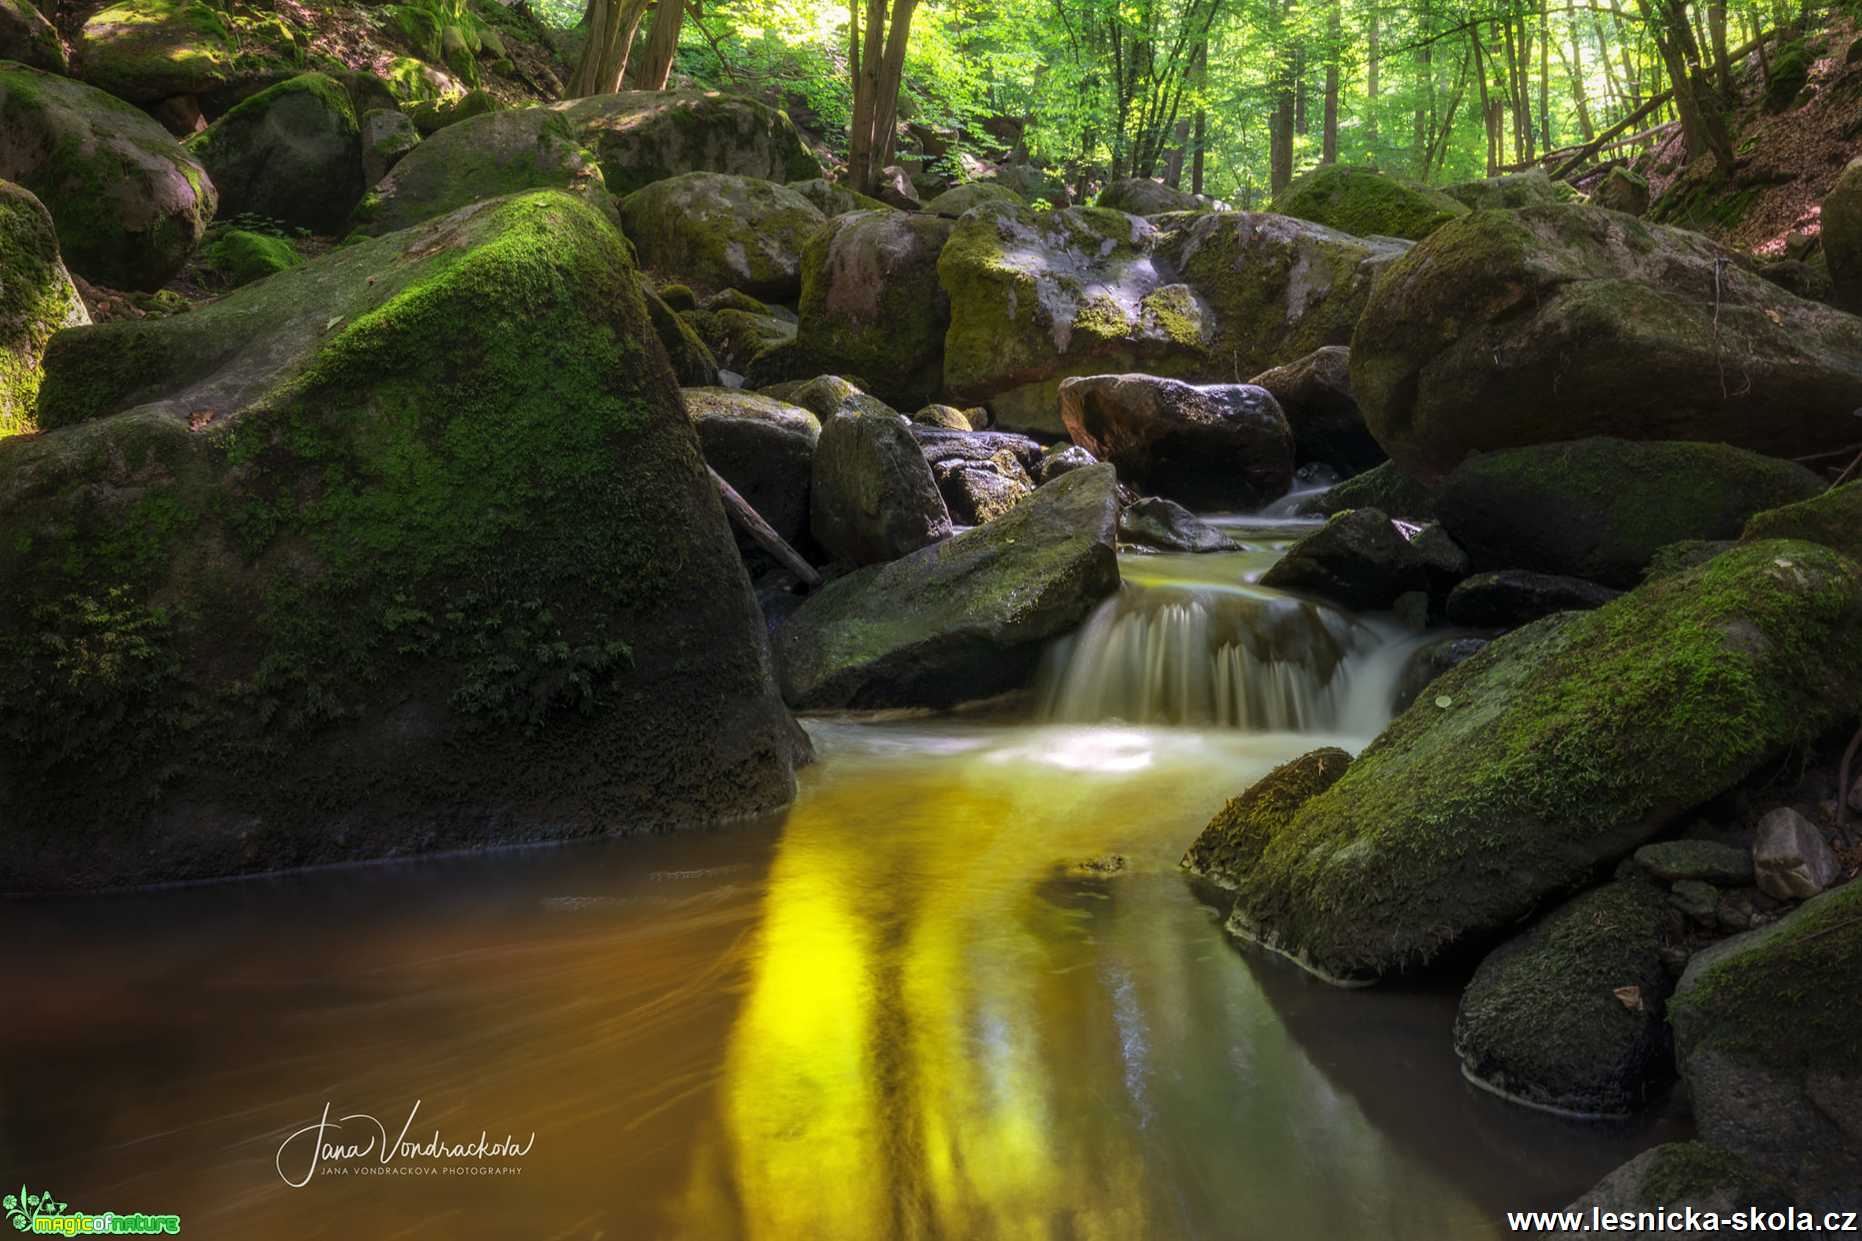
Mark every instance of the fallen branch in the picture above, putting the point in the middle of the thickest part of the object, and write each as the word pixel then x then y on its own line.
pixel 1843 786
pixel 763 533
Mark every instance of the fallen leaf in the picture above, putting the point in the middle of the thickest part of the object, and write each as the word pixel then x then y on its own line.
pixel 1631 998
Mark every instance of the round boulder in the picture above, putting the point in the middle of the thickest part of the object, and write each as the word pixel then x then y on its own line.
pixel 292 152
pixel 712 231
pixel 873 496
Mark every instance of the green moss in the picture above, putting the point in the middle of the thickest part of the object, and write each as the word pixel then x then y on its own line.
pixel 36 299
pixel 241 257
pixel 1833 519
pixel 147 50
pixel 1692 1171
pixel 1559 747
pixel 1234 839
pixel 1385 488
pixel 1790 69
pixel 1367 203
pixel 1803 966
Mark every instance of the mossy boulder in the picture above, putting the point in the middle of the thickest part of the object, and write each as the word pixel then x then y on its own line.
pixel 966 618
pixel 485 156
pixel 129 203
pixel 1143 196
pixel 1622 190
pixel 1038 296
pixel 1279 287
pixel 1358 559
pixel 409 548
pixel 25 36
pixel 1674 1177
pixel 388 134
pixel 1787 73
pixel 712 231
pixel 292 152
pixel 692 360
pixel 1557 749
pixel 1509 598
pixel 872 305
pixel 1366 202
pixel 239 256
pixel 1232 842
pixel 1766 1036
pixel 1832 518
pixel 1601 325
pixel 873 497
pixel 762 447
pixel 149 50
pixel 1601 508
pixel 36 299
pixel 1314 392
pixel 1568 1015
pixel 1382 487
pixel 447 109
pixel 832 199
pixel 1210 446
pixel 959 199
pixel 1842 235
pixel 645 136
pixel 1510 193
pixel 738 338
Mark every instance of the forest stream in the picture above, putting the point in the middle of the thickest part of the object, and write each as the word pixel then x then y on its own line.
pixel 960 989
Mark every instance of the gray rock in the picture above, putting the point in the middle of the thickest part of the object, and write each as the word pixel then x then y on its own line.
pixel 1143 196
pixel 1842 235
pixel 645 136
pixel 1357 559
pixel 1430 662
pixel 1792 859
pixel 1698 901
pixel 387 137
pixel 964 619
pixel 832 199
pixel 1314 393
pixel 1622 190
pixel 1515 597
pixel 954 202
pixel 1219 446
pixel 1382 487
pixel 714 231
pixel 873 497
pixel 945 417
pixel 1705 860
pixel 1169 527
pixel 26 36
pixel 1442 559
pixel 762 447
pixel 1568 1016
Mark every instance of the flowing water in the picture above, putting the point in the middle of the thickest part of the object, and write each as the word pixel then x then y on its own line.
pixel 959 991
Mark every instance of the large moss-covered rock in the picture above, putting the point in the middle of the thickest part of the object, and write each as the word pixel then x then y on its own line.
pixel 692 360
pixel 873 496
pixel 1567 1016
pixel 1143 196
pixel 713 231
pixel 1766 1036
pixel 1232 842
pixel 292 152
pixel 1622 190
pixel 964 618
pixel 1382 487
pixel 148 50
pixel 1832 518
pixel 1600 508
pixel 646 136
pixel 872 305
pixel 1279 287
pixel 1038 296
pixel 486 156
pixel 25 36
pixel 1558 748
pixel 1675 1177
pixel 408 548
pixel 1508 328
pixel 1214 446
pixel 129 203
pixel 1366 202
pixel 764 448
pixel 1842 235
pixel 36 299
pixel 739 337
pixel 388 134
pixel 1510 193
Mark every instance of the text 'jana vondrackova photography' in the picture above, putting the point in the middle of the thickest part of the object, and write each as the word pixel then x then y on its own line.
pixel 931 620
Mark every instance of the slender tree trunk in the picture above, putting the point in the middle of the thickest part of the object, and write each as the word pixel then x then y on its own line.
pixel 876 63
pixel 1280 131
pixel 1578 99
pixel 1370 79
pixel 654 66
pixel 1716 23
pixel 1328 142
pixel 611 27
pixel 1545 75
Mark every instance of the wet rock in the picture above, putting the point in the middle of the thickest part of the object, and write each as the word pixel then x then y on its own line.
pixel 1603 326
pixel 1600 508
pixel 1143 196
pixel 763 448
pixel 128 202
pixel 1314 393
pixel 1557 750
pixel 292 152
pixel 37 299
pixel 1515 597
pixel 1622 190
pixel 1765 1035
pixel 874 498
pixel 1429 663
pixel 1357 559
pixel 1222 446
pixel 427 601
pixel 387 137
pixel 1678 1176
pixel 964 619
pixel 1234 839
pixel 1443 561
pixel 714 231
pixel 1365 202
pixel 1791 857
pixel 976 494
pixel 1568 1016
pixel 1169 527
pixel 1384 487
pixel 1703 860
pixel 1063 459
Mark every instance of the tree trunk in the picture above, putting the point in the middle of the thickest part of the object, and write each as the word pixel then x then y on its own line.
pixel 876 63
pixel 611 27
pixel 1370 80
pixel 655 64
pixel 1328 140
pixel 1723 67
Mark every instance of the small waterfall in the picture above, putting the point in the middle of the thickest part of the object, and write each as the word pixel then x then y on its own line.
pixel 1231 656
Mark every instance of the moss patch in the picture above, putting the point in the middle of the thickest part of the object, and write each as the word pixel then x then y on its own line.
pixel 1367 203
pixel 1233 840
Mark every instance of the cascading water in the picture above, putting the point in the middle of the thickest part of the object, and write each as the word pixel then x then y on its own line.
pixel 1191 640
